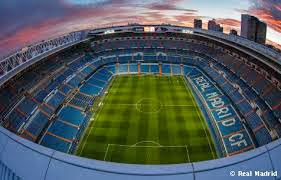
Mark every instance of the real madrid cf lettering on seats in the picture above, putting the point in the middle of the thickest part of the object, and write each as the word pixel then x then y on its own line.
pixel 49 93
pixel 233 134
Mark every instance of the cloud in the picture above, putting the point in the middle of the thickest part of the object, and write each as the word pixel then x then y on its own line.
pixel 42 18
pixel 28 21
pixel 229 24
pixel 269 11
pixel 167 7
pixel 278 46
pixel 15 15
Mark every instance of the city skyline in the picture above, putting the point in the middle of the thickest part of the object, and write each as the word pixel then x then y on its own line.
pixel 30 21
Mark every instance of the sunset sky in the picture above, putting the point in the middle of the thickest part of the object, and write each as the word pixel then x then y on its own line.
pixel 26 21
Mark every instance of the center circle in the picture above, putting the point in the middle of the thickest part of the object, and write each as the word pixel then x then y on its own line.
pixel 148 105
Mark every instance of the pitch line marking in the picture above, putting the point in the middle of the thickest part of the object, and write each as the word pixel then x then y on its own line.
pixel 188 89
pixel 168 105
pixel 187 152
pixel 139 101
pixel 132 146
pixel 92 119
pixel 153 142
pixel 106 152
pixel 135 146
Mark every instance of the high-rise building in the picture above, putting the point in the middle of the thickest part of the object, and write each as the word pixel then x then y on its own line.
pixel 233 32
pixel 253 29
pixel 198 23
pixel 248 27
pixel 261 33
pixel 212 25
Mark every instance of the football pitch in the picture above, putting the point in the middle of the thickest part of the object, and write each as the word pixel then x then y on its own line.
pixel 147 120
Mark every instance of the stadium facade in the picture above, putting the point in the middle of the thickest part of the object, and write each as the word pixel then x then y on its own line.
pixel 228 74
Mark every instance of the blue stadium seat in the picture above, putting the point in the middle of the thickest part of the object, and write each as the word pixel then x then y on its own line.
pixel 65 89
pixel 254 120
pixel 144 68
pixel 37 122
pixel 75 81
pixel 166 68
pixel 111 69
pixel 123 68
pixel 162 58
pixel 176 69
pixel 79 103
pixel 27 106
pixel 154 68
pixel 261 85
pixel 236 96
pixel 96 82
pixel 124 59
pixel 71 115
pixel 61 129
pixel 15 120
pixel 273 98
pixel 227 87
pixel 244 106
pixel 55 143
pixel 263 137
pixel 133 67
pixel 90 89
pixel 55 100
pixel 87 71
pixel 187 69
pixel 149 58
pixel 83 97
pixel 174 59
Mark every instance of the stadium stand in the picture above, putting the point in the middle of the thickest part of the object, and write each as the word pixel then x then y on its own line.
pixel 54 110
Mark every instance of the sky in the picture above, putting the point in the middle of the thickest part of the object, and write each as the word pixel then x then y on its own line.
pixel 23 22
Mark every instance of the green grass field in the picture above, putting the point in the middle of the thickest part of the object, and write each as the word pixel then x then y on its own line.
pixel 147 120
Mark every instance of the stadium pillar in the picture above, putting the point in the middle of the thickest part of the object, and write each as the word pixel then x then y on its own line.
pixel 160 69
pixel 117 67
pixel 182 73
pixel 139 68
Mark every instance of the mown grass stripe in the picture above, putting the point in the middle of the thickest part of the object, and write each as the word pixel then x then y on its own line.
pixel 120 122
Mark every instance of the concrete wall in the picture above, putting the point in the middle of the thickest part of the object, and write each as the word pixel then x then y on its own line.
pixel 29 161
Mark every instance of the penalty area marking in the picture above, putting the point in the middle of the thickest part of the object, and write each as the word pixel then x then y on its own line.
pixel 157 145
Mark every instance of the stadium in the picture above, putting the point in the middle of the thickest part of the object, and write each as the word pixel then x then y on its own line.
pixel 140 101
